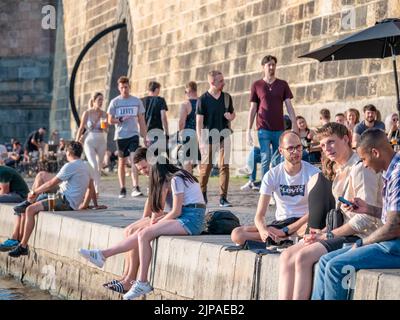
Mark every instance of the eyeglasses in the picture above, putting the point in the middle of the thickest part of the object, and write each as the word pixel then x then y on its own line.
pixel 292 149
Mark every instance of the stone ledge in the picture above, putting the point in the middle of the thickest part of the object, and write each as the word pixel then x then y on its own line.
pixel 191 267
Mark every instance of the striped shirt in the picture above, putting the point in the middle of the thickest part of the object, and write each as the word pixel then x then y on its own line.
pixel 391 188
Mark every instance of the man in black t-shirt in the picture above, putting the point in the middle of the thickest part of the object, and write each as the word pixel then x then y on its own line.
pixel 156 110
pixel 33 143
pixel 214 114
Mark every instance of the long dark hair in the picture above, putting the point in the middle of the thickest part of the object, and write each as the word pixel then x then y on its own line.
pixel 160 174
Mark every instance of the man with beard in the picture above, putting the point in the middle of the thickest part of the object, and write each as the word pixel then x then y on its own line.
pixel 370 121
pixel 267 97
pixel 351 180
pixel 379 250
pixel 288 182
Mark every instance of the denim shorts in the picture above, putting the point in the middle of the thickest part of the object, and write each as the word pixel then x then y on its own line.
pixel 192 220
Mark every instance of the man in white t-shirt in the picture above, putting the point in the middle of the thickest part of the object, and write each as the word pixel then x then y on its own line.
pixel 127 112
pixel 73 180
pixel 288 182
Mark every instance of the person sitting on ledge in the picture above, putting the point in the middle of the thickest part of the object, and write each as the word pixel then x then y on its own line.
pixel 186 217
pixel 380 249
pixel 13 189
pixel 351 180
pixel 131 265
pixel 288 182
pixel 73 180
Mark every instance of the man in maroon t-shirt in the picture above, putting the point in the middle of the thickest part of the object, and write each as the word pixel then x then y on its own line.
pixel 266 101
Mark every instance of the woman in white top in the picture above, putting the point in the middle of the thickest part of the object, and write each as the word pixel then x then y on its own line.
pixel 95 143
pixel 185 217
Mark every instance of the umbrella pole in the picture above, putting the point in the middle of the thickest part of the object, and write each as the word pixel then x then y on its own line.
pixel 396 80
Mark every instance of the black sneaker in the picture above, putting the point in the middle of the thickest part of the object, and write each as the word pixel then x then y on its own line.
pixel 224 203
pixel 19 251
pixel 205 197
pixel 21 207
pixel 122 193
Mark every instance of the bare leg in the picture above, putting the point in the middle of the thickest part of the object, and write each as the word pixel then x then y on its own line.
pixel 167 227
pixel 30 214
pixel 17 228
pixel 130 256
pixel 134 172
pixel 121 172
pixel 305 261
pixel 123 246
pixel 241 234
pixel 287 271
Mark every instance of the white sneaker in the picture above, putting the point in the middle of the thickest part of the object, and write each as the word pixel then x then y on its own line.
pixel 247 186
pixel 138 289
pixel 94 256
pixel 136 192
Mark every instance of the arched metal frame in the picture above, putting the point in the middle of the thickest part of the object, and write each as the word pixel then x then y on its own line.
pixel 78 62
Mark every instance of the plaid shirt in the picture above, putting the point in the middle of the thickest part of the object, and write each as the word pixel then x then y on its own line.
pixel 391 188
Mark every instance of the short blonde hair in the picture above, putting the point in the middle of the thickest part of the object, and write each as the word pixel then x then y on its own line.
pixel 213 73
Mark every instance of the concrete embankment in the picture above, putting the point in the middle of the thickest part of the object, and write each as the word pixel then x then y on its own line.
pixel 183 267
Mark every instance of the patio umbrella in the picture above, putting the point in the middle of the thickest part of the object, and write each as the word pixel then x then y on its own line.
pixel 379 41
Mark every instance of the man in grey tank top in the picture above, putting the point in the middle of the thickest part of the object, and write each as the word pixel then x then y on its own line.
pixel 126 113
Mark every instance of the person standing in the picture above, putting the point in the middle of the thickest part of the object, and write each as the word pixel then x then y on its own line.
pixel 95 143
pixel 126 112
pixel 34 142
pixel 214 113
pixel 156 114
pixel 266 105
pixel 187 125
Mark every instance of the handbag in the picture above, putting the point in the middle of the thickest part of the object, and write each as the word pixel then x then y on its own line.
pixel 335 217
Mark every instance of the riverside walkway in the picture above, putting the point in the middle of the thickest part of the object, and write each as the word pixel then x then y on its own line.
pixel 192 267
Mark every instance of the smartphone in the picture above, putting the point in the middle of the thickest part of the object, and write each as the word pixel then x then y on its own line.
pixel 347 202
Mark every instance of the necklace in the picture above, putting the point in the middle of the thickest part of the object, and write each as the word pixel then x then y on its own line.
pixel 269 85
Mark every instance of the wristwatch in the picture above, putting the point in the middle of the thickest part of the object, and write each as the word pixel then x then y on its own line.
pixel 286 230
pixel 330 235
pixel 359 243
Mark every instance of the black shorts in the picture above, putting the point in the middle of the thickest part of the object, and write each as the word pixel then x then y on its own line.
pixel 126 146
pixel 279 224
pixel 337 243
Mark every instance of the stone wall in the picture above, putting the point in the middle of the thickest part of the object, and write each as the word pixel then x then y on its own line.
pixel 175 41
pixel 26 63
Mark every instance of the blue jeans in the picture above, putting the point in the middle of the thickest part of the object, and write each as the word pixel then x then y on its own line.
pixel 267 138
pixel 334 267
pixel 253 158
pixel 192 220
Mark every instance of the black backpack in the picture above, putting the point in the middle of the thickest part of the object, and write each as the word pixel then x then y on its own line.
pixel 220 222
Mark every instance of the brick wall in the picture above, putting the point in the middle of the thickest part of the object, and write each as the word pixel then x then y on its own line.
pixel 26 62
pixel 174 41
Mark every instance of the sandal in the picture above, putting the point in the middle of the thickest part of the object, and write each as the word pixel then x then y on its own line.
pixel 117 287
pixel 107 284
